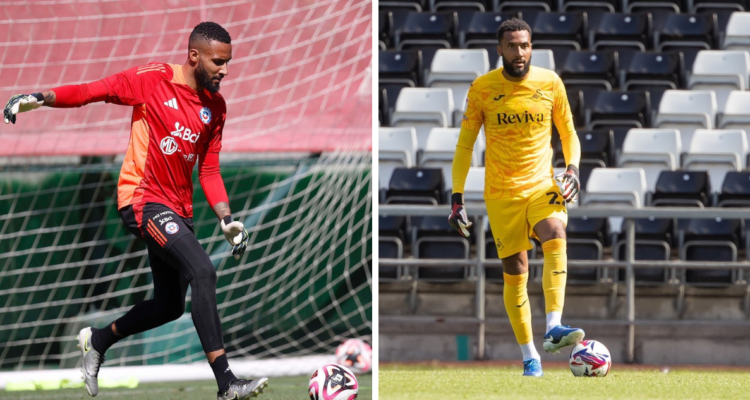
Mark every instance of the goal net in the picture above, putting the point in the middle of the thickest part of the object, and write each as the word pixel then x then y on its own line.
pixel 296 164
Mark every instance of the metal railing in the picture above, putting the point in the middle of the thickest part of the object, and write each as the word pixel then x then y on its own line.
pixel 479 211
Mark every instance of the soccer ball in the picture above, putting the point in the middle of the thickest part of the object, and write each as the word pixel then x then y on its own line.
pixel 356 355
pixel 590 358
pixel 333 382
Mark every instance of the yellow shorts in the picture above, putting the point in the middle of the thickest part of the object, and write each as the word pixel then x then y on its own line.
pixel 512 220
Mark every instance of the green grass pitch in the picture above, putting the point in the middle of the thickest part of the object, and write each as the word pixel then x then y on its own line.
pixel 280 388
pixel 398 382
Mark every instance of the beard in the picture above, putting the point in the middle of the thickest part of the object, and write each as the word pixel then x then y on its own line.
pixel 516 72
pixel 202 76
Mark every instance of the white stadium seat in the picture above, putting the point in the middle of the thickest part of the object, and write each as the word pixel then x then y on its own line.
pixel 686 111
pixel 396 148
pixel 440 151
pixel 424 109
pixel 457 69
pixel 737 36
pixel 616 187
pixel 737 113
pixel 474 188
pixel 542 58
pixel 718 152
pixel 653 150
pixel 722 72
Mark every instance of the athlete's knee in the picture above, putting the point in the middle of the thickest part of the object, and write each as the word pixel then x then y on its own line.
pixel 550 228
pixel 516 264
pixel 204 274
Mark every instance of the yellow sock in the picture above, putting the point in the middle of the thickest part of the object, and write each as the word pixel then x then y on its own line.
pixel 555 274
pixel 516 299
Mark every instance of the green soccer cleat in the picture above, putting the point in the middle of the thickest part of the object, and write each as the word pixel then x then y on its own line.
pixel 242 389
pixel 91 361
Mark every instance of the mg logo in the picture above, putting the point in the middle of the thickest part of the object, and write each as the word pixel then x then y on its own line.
pixel 168 145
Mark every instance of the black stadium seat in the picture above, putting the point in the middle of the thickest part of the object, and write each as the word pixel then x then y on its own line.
pixel 395 226
pixel 711 240
pixel 561 29
pixel 623 28
pixel 476 5
pixel 398 20
pixel 385 28
pixel 415 5
pixel 482 33
pixel 592 67
pixel 621 108
pixel 525 6
pixel 682 189
pixel 735 191
pixel 399 65
pixel 384 111
pixel 586 239
pixel 722 8
pixel 653 240
pixel 699 30
pixel 438 29
pixel 597 145
pixel 389 247
pixel 575 100
pixel 436 239
pixel 655 69
pixel 416 186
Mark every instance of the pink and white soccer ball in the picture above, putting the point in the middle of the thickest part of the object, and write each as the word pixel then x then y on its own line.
pixel 333 382
pixel 356 355
pixel 590 358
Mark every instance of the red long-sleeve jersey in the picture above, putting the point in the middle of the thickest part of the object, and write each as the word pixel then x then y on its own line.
pixel 172 126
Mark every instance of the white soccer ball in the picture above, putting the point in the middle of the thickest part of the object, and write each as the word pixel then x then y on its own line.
pixel 590 358
pixel 333 382
pixel 356 355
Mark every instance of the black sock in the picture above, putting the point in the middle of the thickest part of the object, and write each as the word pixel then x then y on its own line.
pixel 103 339
pixel 223 374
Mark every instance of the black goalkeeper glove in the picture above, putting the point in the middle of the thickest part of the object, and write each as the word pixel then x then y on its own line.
pixel 571 185
pixel 21 103
pixel 458 219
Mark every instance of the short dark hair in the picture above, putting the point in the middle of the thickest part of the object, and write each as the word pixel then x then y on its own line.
pixel 512 25
pixel 208 31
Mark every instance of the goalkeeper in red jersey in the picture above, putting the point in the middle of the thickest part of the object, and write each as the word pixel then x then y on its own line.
pixel 178 119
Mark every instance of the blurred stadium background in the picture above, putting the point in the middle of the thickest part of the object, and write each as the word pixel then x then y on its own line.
pixel 658 244
pixel 296 162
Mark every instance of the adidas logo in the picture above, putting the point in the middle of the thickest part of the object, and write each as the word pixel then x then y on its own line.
pixel 171 103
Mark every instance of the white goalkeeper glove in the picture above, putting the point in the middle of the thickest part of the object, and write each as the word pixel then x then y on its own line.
pixel 21 103
pixel 236 235
pixel 571 185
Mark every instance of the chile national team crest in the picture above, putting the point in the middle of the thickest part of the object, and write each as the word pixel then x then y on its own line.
pixel 205 115
pixel 172 228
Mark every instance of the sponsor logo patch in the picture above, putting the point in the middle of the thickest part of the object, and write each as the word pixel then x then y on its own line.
pixel 172 228
pixel 168 145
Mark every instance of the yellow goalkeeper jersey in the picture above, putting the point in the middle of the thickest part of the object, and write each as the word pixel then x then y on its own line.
pixel 517 119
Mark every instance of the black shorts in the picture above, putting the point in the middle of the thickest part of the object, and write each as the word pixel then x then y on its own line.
pixel 157 225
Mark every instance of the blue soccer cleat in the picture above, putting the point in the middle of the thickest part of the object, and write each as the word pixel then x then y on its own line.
pixel 562 336
pixel 532 367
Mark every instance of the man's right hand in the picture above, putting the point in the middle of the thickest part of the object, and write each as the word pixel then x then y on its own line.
pixel 458 219
pixel 21 103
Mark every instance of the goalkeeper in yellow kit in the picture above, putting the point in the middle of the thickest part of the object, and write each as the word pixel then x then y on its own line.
pixel 517 105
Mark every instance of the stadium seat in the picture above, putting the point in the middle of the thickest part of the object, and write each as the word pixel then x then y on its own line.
pixel 436 239
pixel 416 186
pixel 479 5
pixel 424 109
pixel 737 36
pixel 482 31
pixel 398 19
pixel 652 242
pixel 735 191
pixel 542 58
pixel 692 30
pixel 621 108
pixel 687 111
pixel 616 187
pixel 429 28
pixel 524 6
pixel 390 247
pixel 474 187
pixel 441 149
pixel 653 150
pixel 456 70
pixel 711 240
pixel 594 9
pixel 464 10
pixel 722 9
pixel 415 5
pixel 716 151
pixel 655 73
pixel 562 29
pixel 737 113
pixel 385 29
pixel 632 30
pixel 595 145
pixel 401 66
pixel 586 238
pixel 394 226
pixel 384 111
pixel 682 189
pixel 397 149
pixel 722 72
pixel 575 100
pixel 659 10
pixel 595 68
